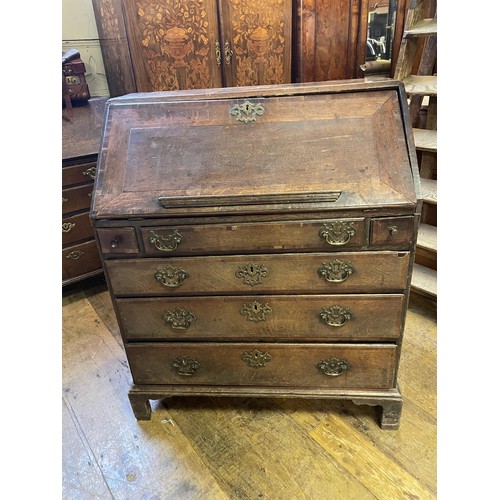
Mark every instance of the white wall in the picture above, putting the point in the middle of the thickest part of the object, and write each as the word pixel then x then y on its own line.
pixel 79 31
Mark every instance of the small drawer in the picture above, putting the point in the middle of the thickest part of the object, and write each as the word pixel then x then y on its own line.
pixel 324 318
pixel 75 199
pixel 392 231
pixel 339 366
pixel 76 228
pixel 81 259
pixel 332 273
pixel 78 174
pixel 209 239
pixel 117 240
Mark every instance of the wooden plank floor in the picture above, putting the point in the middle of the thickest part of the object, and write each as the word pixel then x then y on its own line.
pixel 232 448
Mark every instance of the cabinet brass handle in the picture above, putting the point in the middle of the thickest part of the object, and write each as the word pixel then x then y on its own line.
pixel 178 318
pixel 90 172
pixel 64 200
pixel 333 367
pixel 337 233
pixel 393 230
pixel 335 316
pixel 218 55
pixel 170 276
pixel 75 254
pixel 228 53
pixel 186 366
pixel 68 226
pixel 336 271
pixel 167 243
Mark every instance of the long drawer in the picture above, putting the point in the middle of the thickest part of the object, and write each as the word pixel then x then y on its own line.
pixel 79 260
pixel 76 228
pixel 361 272
pixel 263 318
pixel 288 365
pixel 76 198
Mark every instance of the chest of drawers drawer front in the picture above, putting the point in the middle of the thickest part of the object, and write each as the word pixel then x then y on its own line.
pixel 118 240
pixel 80 259
pixel 78 174
pixel 361 272
pixel 323 235
pixel 392 231
pixel 288 365
pixel 76 228
pixel 266 317
pixel 77 198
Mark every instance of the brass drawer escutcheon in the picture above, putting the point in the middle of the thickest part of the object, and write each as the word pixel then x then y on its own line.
pixel 166 243
pixel 68 226
pixel 336 271
pixel 186 366
pixel 252 274
pixel 247 112
pixel 337 233
pixel 218 55
pixel 90 172
pixel 256 311
pixel 333 367
pixel 256 359
pixel 75 254
pixel 170 276
pixel 179 319
pixel 335 315
pixel 228 53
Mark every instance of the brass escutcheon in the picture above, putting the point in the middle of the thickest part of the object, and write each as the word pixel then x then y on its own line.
pixel 218 55
pixel 336 271
pixel 333 367
pixel 256 359
pixel 184 365
pixel 247 112
pixel 256 311
pixel 338 232
pixel 335 315
pixel 179 319
pixel 170 276
pixel 167 243
pixel 252 274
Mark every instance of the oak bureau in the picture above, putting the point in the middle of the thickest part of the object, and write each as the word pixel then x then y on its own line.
pixel 259 241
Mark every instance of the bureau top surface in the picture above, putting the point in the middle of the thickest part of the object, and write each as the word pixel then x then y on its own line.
pixel 256 150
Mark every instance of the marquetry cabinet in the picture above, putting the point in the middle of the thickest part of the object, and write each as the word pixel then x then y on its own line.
pixel 259 241
pixel 189 44
pixel 81 133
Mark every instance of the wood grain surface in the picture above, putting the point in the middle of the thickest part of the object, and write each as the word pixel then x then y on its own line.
pixel 222 448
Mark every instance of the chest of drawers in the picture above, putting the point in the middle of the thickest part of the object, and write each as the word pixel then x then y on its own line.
pixel 259 241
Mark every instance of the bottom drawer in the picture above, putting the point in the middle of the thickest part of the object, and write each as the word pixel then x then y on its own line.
pixel 339 366
pixel 80 259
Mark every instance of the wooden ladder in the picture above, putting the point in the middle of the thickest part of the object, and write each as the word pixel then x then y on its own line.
pixel 416 67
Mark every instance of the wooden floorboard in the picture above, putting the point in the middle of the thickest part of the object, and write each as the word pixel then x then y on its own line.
pixel 232 448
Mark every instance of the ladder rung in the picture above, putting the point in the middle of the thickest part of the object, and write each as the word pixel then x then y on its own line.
pixel 429 190
pixel 427 237
pixel 425 140
pixel 425 27
pixel 421 85
pixel 424 281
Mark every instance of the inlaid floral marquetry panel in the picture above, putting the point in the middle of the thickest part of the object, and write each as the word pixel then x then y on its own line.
pixel 259 32
pixel 175 44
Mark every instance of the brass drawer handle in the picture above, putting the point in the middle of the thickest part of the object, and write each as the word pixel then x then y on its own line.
pixel 256 311
pixel 335 316
pixel 336 271
pixel 333 367
pixel 75 254
pixel 179 319
pixel 186 366
pixel 64 200
pixel 170 276
pixel 252 274
pixel 337 232
pixel 90 172
pixel 166 243
pixel 256 359
pixel 393 230
pixel 68 226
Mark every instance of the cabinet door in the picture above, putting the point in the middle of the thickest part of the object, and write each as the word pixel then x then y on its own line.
pixel 256 41
pixel 173 43
pixel 331 39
